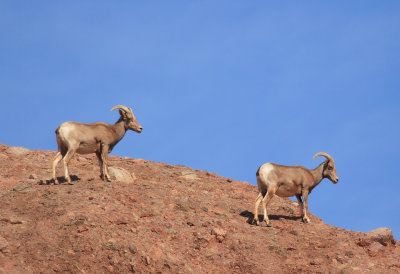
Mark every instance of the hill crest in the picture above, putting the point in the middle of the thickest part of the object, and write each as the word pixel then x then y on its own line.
pixel 157 217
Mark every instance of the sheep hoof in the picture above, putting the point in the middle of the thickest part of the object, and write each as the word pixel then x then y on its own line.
pixel 71 183
pixel 56 182
pixel 265 224
pixel 109 180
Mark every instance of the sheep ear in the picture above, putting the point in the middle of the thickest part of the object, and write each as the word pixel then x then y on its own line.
pixel 122 113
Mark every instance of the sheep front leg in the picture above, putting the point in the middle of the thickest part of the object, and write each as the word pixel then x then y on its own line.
pixel 103 157
pixel 305 207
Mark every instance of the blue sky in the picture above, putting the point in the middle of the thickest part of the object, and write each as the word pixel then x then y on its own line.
pixel 223 86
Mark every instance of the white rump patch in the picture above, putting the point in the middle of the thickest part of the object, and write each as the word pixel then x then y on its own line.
pixel 266 169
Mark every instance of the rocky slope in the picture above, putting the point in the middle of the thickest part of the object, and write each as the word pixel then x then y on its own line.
pixel 156 217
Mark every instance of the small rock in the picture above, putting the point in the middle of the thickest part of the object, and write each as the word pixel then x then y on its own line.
pixel 33 176
pixel 3 243
pixel 121 175
pixel 317 261
pixel 23 188
pixel 132 198
pixel 375 248
pixel 132 248
pixel 189 223
pixel 363 242
pixel 202 241
pixel 381 235
pixel 135 217
pixel 340 259
pixel 16 221
pixel 18 150
pixel 156 230
pixel 219 233
pixel 189 175
pixel 294 232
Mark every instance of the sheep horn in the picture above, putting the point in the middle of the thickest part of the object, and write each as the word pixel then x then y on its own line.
pixel 123 108
pixel 326 155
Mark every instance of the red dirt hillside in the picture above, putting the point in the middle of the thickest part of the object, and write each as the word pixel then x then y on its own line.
pixel 156 217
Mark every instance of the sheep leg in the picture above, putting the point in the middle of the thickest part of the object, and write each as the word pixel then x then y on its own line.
pixel 300 204
pixel 104 152
pixel 265 201
pixel 66 160
pixel 98 154
pixel 56 160
pixel 258 201
pixel 305 208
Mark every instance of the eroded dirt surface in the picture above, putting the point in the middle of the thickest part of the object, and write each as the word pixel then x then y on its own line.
pixel 169 219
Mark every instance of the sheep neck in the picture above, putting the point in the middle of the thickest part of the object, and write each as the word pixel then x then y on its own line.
pixel 318 173
pixel 120 129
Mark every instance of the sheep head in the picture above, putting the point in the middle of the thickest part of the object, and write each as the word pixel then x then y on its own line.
pixel 129 118
pixel 329 167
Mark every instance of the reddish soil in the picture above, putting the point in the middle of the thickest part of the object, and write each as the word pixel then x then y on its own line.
pixel 169 219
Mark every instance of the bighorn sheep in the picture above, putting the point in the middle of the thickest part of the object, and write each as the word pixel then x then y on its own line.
pixel 99 138
pixel 287 181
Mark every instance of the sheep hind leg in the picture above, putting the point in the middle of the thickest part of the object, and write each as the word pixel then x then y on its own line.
pixel 66 160
pixel 56 160
pixel 98 154
pixel 258 201
pixel 265 201
pixel 301 205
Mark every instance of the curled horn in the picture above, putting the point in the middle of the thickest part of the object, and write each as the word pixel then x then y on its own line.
pixel 123 108
pixel 326 155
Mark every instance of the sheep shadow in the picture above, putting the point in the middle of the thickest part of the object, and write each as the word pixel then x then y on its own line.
pixel 250 217
pixel 61 180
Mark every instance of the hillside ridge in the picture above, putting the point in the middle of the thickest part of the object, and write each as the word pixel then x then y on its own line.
pixel 155 217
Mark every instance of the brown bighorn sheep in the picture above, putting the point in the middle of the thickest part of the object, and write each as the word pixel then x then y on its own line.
pixel 287 181
pixel 99 138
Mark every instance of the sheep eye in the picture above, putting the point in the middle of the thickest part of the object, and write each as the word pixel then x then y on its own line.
pixel 330 168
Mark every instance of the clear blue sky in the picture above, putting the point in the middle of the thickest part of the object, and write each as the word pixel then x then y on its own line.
pixel 223 86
